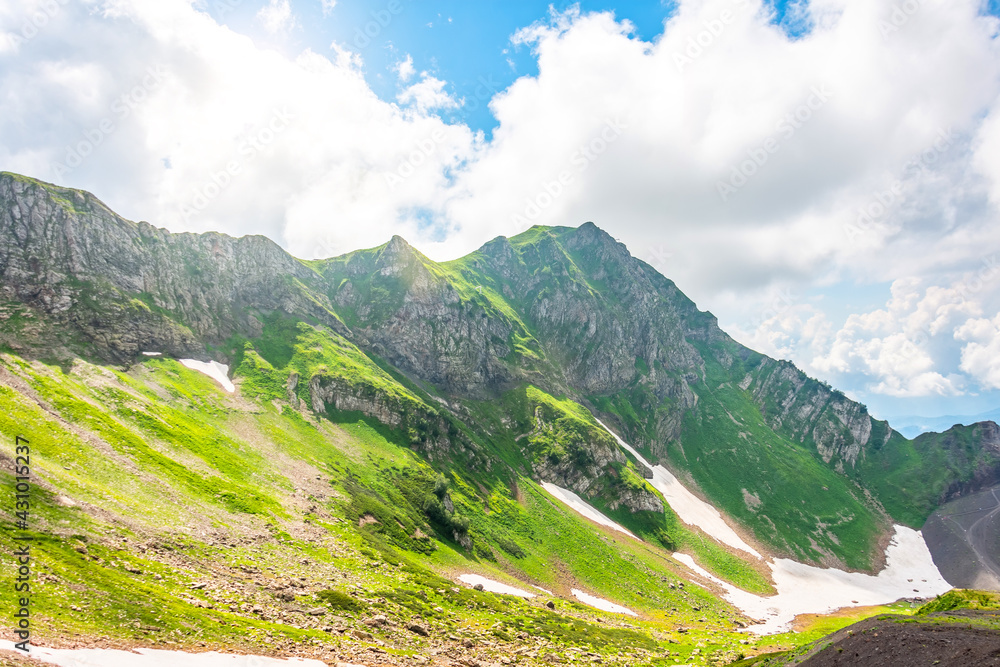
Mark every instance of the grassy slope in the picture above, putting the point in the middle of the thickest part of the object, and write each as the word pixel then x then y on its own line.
pixel 130 569
pixel 814 511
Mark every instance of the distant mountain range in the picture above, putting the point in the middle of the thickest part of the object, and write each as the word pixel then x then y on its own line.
pixel 913 425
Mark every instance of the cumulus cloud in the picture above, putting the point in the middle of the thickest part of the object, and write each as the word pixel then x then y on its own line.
pixel 981 356
pixel 175 119
pixel 907 348
pixel 804 133
pixel 739 160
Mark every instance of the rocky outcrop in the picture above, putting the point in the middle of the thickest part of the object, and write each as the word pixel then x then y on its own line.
pixel 587 462
pixel 123 287
pixel 811 412
pixel 419 321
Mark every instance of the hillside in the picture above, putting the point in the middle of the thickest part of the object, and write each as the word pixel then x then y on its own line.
pixel 568 311
pixel 393 421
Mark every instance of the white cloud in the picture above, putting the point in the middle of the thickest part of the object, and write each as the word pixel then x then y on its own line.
pixel 328 6
pixel 299 149
pixel 427 95
pixel 404 69
pixel 277 17
pixel 907 348
pixel 981 356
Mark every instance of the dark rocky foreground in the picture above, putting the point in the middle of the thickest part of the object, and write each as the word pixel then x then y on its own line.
pixel 948 639
pixel 955 638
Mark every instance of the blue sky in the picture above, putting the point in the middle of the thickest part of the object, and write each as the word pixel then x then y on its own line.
pixel 823 176
pixel 467 44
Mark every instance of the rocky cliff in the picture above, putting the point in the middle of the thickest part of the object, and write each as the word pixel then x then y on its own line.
pixel 113 288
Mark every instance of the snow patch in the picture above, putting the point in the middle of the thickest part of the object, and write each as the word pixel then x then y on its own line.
pixel 803 589
pixel 152 354
pixel 691 509
pixel 494 586
pixel 151 657
pixel 577 504
pixel 213 369
pixel 806 589
pixel 601 603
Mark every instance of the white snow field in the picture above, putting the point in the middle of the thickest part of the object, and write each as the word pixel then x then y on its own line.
pixel 691 509
pixel 151 657
pixel 213 369
pixel 494 586
pixel 579 505
pixel 601 603
pixel 803 589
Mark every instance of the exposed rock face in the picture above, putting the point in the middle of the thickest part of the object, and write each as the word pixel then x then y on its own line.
pixel 428 431
pixel 126 287
pixel 985 455
pixel 590 468
pixel 330 392
pixel 637 500
pixel 418 320
pixel 808 410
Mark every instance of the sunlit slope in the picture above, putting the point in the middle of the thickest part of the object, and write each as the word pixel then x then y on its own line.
pixel 168 509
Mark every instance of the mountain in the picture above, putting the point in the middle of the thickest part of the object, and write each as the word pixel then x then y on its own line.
pixel 395 419
pixel 913 425
pixel 539 324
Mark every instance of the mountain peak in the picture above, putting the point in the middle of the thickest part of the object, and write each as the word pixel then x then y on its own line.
pixel 397 251
pixel 397 243
pixel 588 232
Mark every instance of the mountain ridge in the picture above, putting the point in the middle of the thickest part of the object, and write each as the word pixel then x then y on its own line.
pixel 425 346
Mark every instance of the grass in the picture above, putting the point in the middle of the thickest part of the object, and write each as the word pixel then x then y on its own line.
pixel 961 599
pixel 796 502
pixel 122 423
